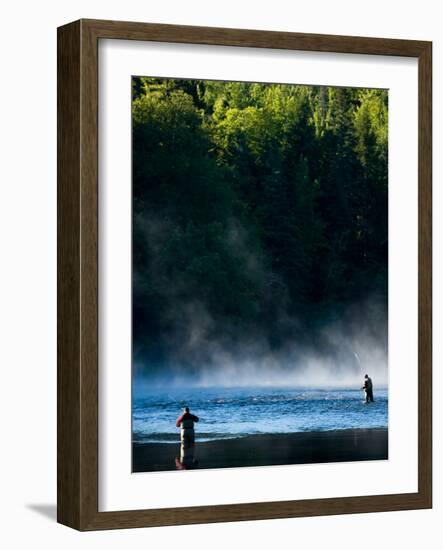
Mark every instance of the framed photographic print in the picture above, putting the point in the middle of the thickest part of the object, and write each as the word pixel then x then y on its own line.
pixel 244 275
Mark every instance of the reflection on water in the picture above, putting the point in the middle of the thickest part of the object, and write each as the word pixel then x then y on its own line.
pixel 187 460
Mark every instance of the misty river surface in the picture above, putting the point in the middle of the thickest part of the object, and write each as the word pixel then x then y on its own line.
pixel 227 413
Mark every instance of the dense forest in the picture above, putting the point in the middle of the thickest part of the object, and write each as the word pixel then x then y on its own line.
pixel 259 212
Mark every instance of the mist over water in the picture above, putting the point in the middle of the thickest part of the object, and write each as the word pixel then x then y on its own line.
pixel 241 385
pixel 259 236
pixel 282 344
pixel 336 355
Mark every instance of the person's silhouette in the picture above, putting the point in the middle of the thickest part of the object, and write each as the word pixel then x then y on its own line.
pixel 186 423
pixel 367 386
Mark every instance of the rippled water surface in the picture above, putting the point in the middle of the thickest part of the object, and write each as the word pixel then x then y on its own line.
pixel 238 412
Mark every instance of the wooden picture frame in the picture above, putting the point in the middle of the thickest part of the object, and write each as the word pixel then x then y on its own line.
pixel 78 274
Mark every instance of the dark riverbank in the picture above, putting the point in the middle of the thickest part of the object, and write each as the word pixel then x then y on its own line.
pixel 266 450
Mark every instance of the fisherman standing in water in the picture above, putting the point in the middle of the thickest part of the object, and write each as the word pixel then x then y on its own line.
pixel 186 423
pixel 367 386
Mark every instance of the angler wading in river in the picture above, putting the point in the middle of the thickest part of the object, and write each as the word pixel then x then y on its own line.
pixel 186 423
pixel 367 386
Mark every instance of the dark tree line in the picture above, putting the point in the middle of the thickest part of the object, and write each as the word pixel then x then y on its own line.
pixel 255 203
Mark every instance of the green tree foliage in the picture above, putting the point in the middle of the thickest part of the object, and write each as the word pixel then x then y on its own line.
pixel 254 200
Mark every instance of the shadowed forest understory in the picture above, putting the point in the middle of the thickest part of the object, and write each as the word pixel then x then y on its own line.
pixel 260 229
